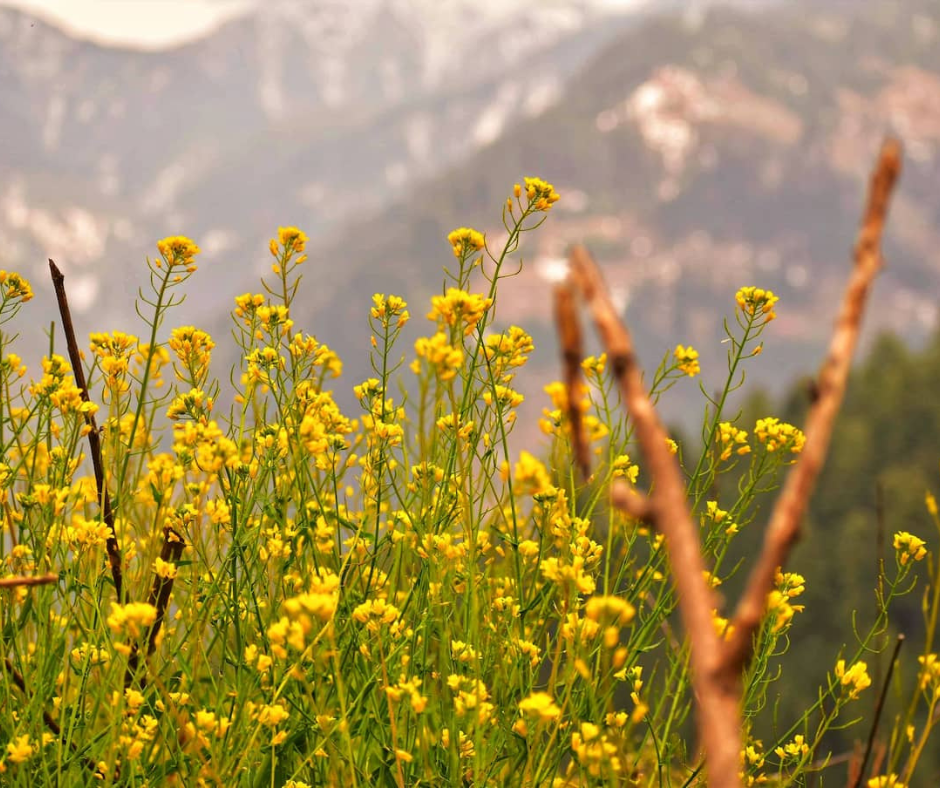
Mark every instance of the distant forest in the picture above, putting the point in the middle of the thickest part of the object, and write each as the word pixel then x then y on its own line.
pixel 884 457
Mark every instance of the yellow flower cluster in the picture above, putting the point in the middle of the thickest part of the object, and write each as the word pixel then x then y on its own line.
pixel 14 287
pixel 623 468
pixel 540 706
pixel 731 440
pixel 21 749
pixel 794 750
pixel 909 547
pixel 530 476
pixel 471 698
pixel 458 306
pixel 410 688
pixel 130 620
pixel 596 750
pixel 194 404
pixel 856 678
pixel 292 241
pixel 446 359
pixel 930 673
pixel 886 781
pixel 508 350
pixel 192 347
pixel 754 301
pixel 178 250
pixel 507 398
pixel 687 360
pixel 540 194
pixel 776 434
pixel 375 613
pixel 114 351
pixel 385 309
pixel 58 385
pixel 465 241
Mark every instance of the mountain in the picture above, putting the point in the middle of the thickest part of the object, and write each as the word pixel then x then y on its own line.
pixel 694 155
pixel 296 113
pixel 697 149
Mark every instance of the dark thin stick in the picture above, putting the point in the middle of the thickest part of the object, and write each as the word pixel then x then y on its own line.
pixel 878 709
pixel 94 441
pixel 50 721
pixel 160 591
pixel 172 550
pixel 39 580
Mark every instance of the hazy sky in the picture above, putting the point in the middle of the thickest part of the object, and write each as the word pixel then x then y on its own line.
pixel 140 23
pixel 150 24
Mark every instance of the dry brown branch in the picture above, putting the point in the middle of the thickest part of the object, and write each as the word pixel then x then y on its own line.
pixel 172 549
pixel 94 441
pixel 784 528
pixel 569 332
pixel 718 717
pixel 630 502
pixel 38 580
pixel 716 665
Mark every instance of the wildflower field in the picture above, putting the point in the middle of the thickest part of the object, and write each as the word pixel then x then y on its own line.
pixel 288 595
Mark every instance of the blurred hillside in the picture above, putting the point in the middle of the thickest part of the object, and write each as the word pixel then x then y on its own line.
pixel 697 150
pixel 695 156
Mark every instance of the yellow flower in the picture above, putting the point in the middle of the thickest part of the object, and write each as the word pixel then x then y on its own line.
pixel 856 677
pixel 794 749
pixel 886 781
pixel 386 308
pixel 374 613
pixel 930 672
pixel 687 360
pixel 444 357
pixel 540 194
pixel 540 705
pixel 178 250
pixel 292 240
pixel 131 618
pixel 21 749
pixel 609 609
pixel 731 440
pixel 909 547
pixel 459 306
pixel 622 467
pixel 465 241
pixel 754 301
pixel 775 434
pixel 14 287
pixel 531 476
pixel 192 347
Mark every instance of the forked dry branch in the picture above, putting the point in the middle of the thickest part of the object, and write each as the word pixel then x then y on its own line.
pixel 718 665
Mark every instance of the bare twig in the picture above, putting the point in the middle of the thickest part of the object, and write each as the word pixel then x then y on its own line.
pixel 569 331
pixel 38 580
pixel 94 441
pixel 160 591
pixel 47 718
pixel 668 511
pixel 784 528
pixel 878 709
